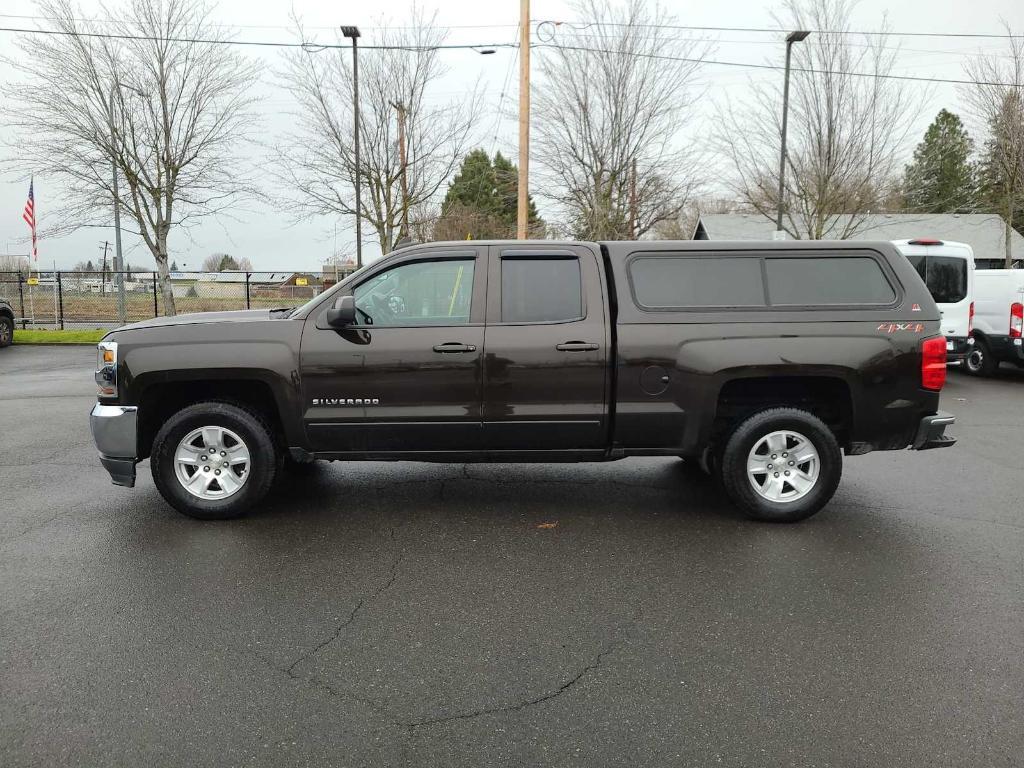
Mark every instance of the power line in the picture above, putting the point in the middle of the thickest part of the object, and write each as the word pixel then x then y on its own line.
pixel 714 62
pixel 313 47
pixel 773 30
pixel 316 47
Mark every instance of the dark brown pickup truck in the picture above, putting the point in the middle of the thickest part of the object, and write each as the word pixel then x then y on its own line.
pixel 764 362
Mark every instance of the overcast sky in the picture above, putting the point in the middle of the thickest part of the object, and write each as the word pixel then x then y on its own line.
pixel 269 239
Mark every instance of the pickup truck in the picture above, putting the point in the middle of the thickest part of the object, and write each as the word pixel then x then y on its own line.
pixel 763 363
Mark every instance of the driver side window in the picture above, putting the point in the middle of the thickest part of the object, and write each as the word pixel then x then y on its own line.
pixel 417 293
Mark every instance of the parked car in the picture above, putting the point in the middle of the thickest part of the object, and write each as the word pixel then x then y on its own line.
pixel 998 320
pixel 764 362
pixel 6 323
pixel 947 268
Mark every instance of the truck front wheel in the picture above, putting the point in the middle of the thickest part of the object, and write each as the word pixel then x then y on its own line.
pixel 781 465
pixel 213 460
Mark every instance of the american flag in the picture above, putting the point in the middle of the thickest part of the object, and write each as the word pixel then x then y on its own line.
pixel 30 217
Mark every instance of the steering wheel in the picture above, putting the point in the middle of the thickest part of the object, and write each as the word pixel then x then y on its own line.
pixel 396 304
pixel 382 306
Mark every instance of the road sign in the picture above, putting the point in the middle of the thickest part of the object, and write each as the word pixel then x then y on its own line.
pixel 301 281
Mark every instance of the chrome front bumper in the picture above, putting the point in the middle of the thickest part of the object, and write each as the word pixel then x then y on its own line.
pixel 114 430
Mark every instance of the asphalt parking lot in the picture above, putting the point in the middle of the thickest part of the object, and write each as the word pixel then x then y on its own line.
pixel 444 615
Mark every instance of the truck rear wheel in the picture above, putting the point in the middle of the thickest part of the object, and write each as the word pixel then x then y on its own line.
pixel 781 465
pixel 214 461
pixel 6 331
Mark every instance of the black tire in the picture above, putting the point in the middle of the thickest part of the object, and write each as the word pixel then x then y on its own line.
pixel 980 361
pixel 265 459
pixel 6 331
pixel 739 486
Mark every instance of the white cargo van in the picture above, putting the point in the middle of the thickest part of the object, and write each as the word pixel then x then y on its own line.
pixel 948 270
pixel 998 320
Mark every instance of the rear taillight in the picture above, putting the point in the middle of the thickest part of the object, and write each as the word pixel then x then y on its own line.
pixel 1016 319
pixel 933 363
pixel 970 320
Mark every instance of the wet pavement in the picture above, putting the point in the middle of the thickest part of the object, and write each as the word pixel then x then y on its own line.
pixel 420 615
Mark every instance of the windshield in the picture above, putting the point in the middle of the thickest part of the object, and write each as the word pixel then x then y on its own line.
pixel 320 296
pixel 945 276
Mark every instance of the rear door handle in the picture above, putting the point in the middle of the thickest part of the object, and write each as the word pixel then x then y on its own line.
pixel 576 346
pixel 454 346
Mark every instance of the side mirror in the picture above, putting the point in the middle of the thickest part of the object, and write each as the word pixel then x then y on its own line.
pixel 343 313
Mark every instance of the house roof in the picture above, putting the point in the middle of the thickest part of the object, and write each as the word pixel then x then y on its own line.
pixel 982 231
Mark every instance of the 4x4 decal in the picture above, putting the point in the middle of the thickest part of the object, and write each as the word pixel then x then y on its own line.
pixel 893 327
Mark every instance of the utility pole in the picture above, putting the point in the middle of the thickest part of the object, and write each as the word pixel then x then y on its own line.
pixel 523 207
pixel 402 159
pixel 792 37
pixel 122 315
pixel 634 214
pixel 353 34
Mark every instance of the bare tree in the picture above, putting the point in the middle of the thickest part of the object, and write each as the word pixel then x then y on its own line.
pixel 137 89
pixel 847 132
pixel 997 99
pixel 608 108
pixel 316 162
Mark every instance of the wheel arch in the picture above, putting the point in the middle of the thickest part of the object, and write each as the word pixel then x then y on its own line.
pixel 159 394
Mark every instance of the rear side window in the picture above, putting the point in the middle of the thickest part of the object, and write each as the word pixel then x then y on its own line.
pixel 810 281
pixel 661 282
pixel 543 290
pixel 945 276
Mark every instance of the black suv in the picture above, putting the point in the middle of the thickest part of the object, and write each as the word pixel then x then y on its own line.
pixel 6 323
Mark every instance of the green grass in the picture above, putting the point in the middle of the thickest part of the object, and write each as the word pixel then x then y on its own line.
pixel 35 336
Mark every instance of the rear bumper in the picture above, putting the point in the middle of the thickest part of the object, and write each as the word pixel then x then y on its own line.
pixel 957 348
pixel 114 430
pixel 931 433
pixel 1006 348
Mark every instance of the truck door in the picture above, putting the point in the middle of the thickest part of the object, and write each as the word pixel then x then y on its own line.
pixel 407 376
pixel 547 347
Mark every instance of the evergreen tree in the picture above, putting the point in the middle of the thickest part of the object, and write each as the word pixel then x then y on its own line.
pixel 941 178
pixel 1001 170
pixel 174 266
pixel 482 201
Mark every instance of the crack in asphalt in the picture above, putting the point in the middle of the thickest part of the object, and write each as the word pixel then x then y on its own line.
pixel 353 614
pixel 334 636
pixel 521 705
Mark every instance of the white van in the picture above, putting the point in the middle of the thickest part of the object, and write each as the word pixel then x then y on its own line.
pixel 998 320
pixel 948 270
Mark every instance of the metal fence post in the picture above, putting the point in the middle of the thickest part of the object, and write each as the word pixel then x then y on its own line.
pixel 60 298
pixel 21 299
pixel 156 311
pixel 247 276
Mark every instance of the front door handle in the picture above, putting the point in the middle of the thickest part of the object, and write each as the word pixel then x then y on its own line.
pixel 454 346
pixel 576 346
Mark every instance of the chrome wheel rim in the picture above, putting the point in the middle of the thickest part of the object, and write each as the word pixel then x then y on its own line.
pixel 212 463
pixel 975 359
pixel 783 466
pixel 5 333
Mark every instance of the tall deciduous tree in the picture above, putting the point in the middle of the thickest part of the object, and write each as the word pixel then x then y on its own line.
pixel 316 160
pixel 609 108
pixel 481 201
pixel 997 98
pixel 942 178
pixel 846 135
pixel 154 94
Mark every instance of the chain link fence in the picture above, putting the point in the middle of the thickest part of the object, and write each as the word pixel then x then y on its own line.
pixel 105 299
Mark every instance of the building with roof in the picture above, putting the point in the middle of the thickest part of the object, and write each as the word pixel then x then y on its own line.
pixel 984 232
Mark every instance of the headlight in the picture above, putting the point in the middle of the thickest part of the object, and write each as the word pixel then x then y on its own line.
pixel 106 368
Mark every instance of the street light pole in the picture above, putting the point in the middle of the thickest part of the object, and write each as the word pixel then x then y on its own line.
pixel 353 34
pixel 523 197
pixel 122 314
pixel 792 37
